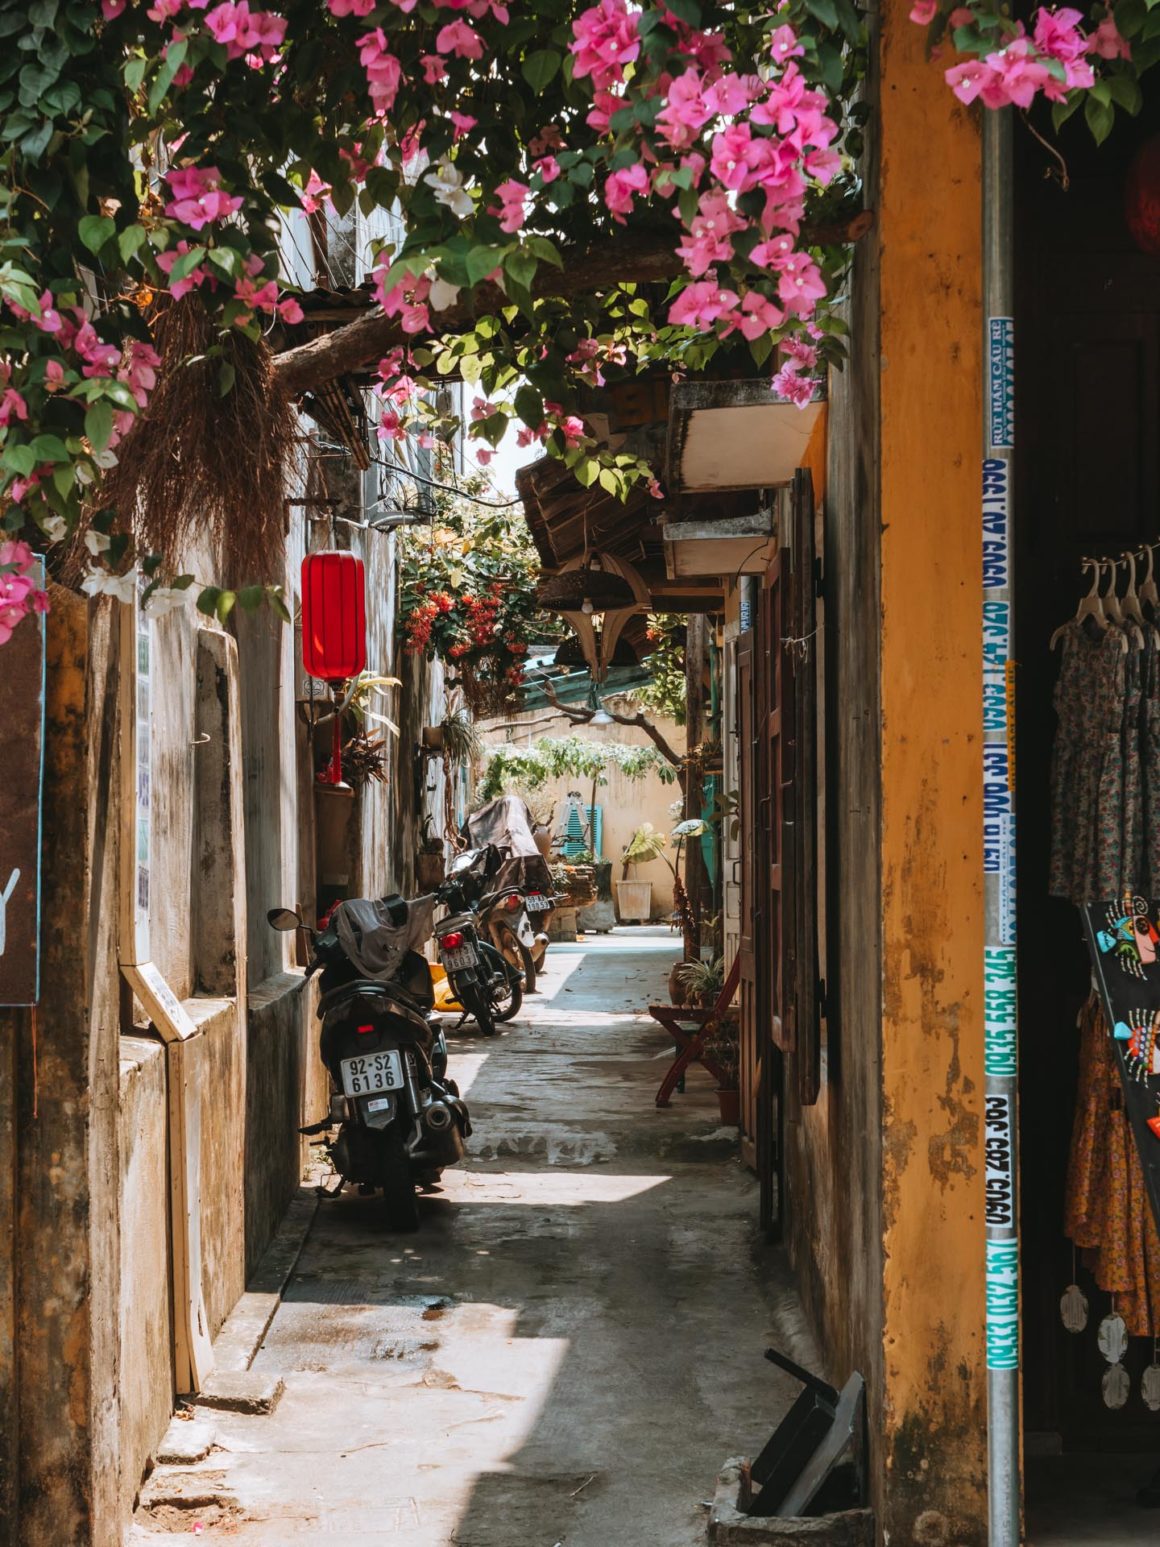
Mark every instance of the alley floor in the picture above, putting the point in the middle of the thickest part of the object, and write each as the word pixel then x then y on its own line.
pixel 569 1348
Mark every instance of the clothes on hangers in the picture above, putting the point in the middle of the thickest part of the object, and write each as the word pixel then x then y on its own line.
pixel 1088 765
pixel 1107 1212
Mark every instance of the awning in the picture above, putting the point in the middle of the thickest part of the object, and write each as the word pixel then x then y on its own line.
pixel 734 435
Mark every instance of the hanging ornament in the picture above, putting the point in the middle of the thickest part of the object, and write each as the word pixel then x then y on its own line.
pixel 1150 1380
pixel 1116 1386
pixel 1073 1308
pixel 1073 1303
pixel 1113 1338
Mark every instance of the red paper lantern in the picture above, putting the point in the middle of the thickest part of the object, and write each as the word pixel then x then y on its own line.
pixel 1142 197
pixel 334 620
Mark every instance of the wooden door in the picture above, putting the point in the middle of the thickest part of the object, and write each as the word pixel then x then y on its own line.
pixel 773 706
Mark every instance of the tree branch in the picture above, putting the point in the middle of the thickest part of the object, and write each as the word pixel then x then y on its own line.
pixel 362 342
pixel 623 261
pixel 638 721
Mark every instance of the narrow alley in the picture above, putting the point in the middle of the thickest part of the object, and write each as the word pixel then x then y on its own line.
pixel 568 1349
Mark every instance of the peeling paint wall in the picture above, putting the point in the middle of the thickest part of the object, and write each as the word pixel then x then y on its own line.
pixel 934 1392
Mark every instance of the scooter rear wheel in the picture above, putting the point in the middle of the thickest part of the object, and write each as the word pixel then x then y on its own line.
pixel 516 953
pixel 400 1200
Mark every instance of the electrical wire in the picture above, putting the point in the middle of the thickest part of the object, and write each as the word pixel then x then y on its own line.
pixel 448 488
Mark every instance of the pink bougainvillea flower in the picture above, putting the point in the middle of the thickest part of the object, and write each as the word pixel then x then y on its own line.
pixel 548 168
pixel 1057 34
pixel 407 300
pixel 573 430
pixel 483 455
pixel 924 12
pixel 621 187
pixel 708 241
pixel 198 199
pixel 243 31
pixel 512 195
pixel 383 70
pixel 434 69
pixel 700 304
pixel 605 40
pixel 604 104
pixel 290 311
pixel 1017 75
pixel 784 45
pixel 805 355
pixel 463 122
pixel 350 7
pixel 758 316
pixel 110 9
pixel 460 39
pixel 549 138
pixel 315 193
pixel 179 287
pixel 800 285
pixel 1107 42
pixel 685 112
pixel 54 375
pixel 792 387
pixel 967 80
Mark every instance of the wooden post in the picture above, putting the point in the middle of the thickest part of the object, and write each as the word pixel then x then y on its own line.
pixel 696 660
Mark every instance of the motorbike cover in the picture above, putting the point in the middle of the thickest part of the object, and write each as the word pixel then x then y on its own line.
pixel 506 822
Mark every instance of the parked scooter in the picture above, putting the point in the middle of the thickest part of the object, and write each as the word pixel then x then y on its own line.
pixel 516 927
pixel 400 1120
pixel 484 983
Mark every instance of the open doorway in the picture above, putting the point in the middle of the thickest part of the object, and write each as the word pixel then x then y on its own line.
pixel 1087 482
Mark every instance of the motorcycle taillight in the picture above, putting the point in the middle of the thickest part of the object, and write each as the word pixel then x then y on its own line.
pixel 452 941
pixel 364 1031
pixel 514 903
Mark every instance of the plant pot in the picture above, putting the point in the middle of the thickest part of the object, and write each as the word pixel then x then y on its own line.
pixel 730 1103
pixel 543 840
pixel 634 901
pixel 433 738
pixel 430 871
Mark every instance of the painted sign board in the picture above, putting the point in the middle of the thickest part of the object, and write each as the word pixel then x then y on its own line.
pixel 21 794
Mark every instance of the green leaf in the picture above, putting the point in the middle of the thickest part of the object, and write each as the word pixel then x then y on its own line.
pixel 1100 117
pixel 825 11
pixel 278 604
pixel 521 267
pixel 49 448
pixel 228 259
pixel 225 604
pixel 99 424
pixel 226 374
pixel 186 264
pixel 480 261
pixel 543 248
pixel 587 471
pixel 95 230
pixel 1126 93
pixel 20 458
pixel 163 80
pixel 688 11
pixel 608 481
pixel 208 599
pixel 182 583
pixel 130 241
pixel 530 407
pixel 251 597
pixel 539 68
pixel 134 72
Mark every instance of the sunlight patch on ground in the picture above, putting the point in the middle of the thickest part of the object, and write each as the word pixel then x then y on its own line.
pixel 570 1189
pixel 465 1069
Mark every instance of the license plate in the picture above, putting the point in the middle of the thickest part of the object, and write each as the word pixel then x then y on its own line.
pixel 538 904
pixel 458 960
pixel 372 1072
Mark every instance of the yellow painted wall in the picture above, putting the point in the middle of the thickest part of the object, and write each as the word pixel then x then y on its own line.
pixel 934 1397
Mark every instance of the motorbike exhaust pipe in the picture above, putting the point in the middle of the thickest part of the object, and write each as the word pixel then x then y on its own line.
pixel 438 1117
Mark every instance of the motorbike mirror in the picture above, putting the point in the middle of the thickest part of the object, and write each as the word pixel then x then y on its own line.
pixel 284 919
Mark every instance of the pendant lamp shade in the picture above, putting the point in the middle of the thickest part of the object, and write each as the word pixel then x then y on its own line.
pixel 334 626
pixel 590 588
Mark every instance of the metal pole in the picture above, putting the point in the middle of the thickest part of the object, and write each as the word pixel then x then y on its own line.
pixel 999 974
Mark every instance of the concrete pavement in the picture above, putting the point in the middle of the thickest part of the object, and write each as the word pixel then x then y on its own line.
pixel 569 1348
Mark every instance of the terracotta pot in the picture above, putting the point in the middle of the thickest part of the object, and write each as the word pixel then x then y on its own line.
pixel 730 1103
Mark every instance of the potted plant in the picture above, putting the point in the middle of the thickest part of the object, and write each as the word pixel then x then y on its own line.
pixel 724 1048
pixel 634 897
pixel 430 863
pixel 701 981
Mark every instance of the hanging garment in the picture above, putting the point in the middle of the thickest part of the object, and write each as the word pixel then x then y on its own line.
pixel 1132 865
pixel 1087 769
pixel 1150 759
pixel 1106 1209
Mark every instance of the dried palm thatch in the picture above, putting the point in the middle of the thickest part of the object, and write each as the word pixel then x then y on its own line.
pixel 205 465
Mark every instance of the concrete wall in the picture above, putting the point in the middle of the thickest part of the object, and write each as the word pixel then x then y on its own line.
pixel 626 803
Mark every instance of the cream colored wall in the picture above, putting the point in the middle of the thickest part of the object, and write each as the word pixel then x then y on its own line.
pixel 626 803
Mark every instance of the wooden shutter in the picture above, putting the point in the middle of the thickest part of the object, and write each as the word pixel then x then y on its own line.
pixel 750 1052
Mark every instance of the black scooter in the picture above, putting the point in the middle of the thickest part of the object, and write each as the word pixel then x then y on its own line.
pixel 400 1120
pixel 489 987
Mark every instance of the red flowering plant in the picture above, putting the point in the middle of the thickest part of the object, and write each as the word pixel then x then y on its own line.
pixel 467 589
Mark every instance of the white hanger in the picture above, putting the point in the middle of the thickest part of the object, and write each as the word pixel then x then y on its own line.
pixel 1111 600
pixel 1131 600
pixel 1090 606
pixel 1148 591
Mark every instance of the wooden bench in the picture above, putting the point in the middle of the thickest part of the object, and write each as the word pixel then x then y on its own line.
pixel 690 1027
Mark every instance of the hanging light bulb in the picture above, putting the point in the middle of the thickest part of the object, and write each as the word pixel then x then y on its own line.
pixel 586 606
pixel 600 715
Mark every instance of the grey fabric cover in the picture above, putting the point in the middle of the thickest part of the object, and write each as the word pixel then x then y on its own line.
pixel 507 822
pixel 375 946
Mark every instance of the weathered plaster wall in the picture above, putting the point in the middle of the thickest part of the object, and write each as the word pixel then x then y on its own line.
pixel 145 1387
pixel 934 1417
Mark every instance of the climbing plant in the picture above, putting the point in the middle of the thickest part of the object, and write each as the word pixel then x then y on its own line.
pixel 527 769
